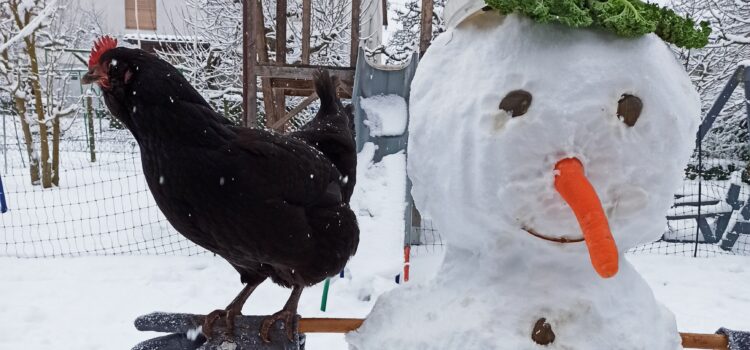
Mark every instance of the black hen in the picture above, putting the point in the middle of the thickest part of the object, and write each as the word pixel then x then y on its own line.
pixel 273 205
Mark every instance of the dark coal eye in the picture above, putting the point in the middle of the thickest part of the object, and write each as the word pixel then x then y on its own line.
pixel 516 103
pixel 629 109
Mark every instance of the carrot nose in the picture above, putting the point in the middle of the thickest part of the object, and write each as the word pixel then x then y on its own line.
pixel 575 189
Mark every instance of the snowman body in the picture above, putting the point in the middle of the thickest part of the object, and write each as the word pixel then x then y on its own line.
pixel 486 178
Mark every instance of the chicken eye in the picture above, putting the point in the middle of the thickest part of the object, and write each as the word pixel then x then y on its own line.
pixel 629 109
pixel 516 103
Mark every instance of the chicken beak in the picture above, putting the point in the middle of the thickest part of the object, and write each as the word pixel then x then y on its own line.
pixel 89 77
pixel 575 189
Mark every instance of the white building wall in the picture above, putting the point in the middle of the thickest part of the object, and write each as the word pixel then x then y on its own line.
pixel 110 16
pixel 169 16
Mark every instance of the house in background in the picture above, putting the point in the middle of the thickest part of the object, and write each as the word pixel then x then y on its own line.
pixel 149 24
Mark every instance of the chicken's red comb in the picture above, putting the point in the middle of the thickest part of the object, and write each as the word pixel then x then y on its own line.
pixel 101 45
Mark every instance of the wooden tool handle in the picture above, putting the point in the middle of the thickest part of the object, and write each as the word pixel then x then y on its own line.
pixel 329 325
pixel 704 341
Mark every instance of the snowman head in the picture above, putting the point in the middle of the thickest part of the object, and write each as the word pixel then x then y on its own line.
pixel 511 120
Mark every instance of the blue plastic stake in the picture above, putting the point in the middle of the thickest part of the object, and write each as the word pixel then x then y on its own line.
pixel 3 204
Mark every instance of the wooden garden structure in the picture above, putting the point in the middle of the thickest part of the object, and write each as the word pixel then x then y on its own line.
pixel 279 79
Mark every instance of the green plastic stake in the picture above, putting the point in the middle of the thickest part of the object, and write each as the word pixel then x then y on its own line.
pixel 324 300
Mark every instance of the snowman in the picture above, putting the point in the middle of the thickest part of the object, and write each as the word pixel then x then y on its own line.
pixel 542 152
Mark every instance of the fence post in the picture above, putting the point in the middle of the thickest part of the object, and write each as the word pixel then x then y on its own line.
pixel 90 128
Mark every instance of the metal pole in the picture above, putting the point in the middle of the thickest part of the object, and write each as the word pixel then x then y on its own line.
pixel 18 142
pixel 85 121
pixel 700 196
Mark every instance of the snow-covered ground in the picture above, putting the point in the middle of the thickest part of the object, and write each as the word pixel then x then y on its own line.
pixel 91 302
pixel 104 208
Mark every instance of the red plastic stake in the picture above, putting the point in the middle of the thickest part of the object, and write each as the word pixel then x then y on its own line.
pixel 407 253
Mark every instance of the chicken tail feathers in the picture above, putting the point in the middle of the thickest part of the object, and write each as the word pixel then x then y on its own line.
pixel 325 88
pixel 331 131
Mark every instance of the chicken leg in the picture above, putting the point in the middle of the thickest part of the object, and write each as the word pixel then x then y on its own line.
pixel 287 315
pixel 233 309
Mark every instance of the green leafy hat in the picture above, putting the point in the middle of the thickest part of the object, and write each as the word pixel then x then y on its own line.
pixel 627 18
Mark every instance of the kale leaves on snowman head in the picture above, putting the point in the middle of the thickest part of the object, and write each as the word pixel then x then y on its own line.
pixel 627 18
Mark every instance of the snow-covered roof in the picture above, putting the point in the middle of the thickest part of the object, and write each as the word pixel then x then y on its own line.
pixel 164 38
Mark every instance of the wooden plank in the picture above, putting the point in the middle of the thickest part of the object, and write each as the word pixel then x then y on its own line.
pixel 704 341
pixel 306 102
pixel 298 92
pixel 425 32
pixel 260 32
pixel 280 101
pixel 345 74
pixel 308 92
pixel 344 90
pixel 306 28
pixel 356 8
pixel 296 84
pixel 281 32
pixel 305 88
pixel 266 85
pixel 249 58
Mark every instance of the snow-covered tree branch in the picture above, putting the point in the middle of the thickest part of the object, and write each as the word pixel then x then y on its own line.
pixel 210 54
pixel 32 58
pixel 712 67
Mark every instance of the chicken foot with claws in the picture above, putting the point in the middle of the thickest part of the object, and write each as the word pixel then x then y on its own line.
pixel 233 309
pixel 287 315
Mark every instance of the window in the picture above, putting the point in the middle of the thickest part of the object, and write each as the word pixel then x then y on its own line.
pixel 146 14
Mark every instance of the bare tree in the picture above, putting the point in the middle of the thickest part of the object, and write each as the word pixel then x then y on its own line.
pixel 34 36
pixel 404 40
pixel 712 67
